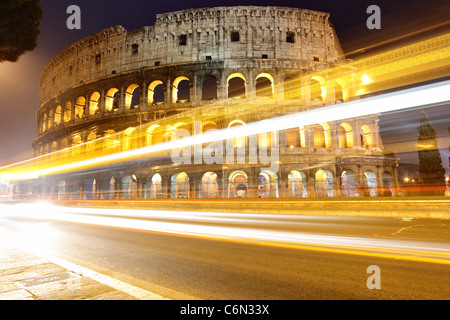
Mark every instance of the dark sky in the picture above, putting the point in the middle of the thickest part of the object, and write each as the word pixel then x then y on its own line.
pixel 19 88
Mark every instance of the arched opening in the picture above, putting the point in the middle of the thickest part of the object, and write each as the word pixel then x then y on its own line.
pixel 80 105
pixel 112 100
pixel 209 88
pixel 293 138
pixel 132 97
pixel 181 90
pixel 44 123
pixel 238 185
pixel 338 92
pixel 209 187
pixel 90 189
pixel 90 142
pixel 292 88
pixel 108 188
pixel 58 114
pixel 324 183
pixel 54 147
pixel 129 187
pixel 349 185
pixel 317 91
pixel 94 104
pixel 236 85
pixel 297 184
pixel 67 111
pixel 370 184
pixel 239 142
pixel 156 92
pixel 155 135
pixel 322 136
pixel 366 137
pixel 154 187
pixel 267 184
pixel 130 139
pixel 345 132
pixel 388 185
pixel 180 186
pixel 76 145
pixel 264 85
pixel 50 119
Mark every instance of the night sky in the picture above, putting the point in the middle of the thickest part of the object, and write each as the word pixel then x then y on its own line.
pixel 19 82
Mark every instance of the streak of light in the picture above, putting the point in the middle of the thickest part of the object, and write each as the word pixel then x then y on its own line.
pixel 433 94
pixel 200 225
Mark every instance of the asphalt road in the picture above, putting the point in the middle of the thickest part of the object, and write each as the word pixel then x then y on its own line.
pixel 248 257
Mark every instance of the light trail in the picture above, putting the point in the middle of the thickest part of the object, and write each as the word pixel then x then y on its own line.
pixel 218 226
pixel 432 94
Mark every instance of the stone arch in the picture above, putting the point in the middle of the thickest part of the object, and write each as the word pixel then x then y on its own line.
pixel 132 97
pixel 293 138
pixel 236 86
pixel 80 105
pixel 130 139
pixel 349 184
pixel 324 183
pixel 238 142
pixel 58 115
pixel 180 186
pixel 129 187
pixel 76 145
pixel 94 104
pixel 345 133
pixel 181 89
pixel 297 184
pixel 155 135
pixel 67 111
pixel 370 183
pixel 90 188
pixel 112 100
pixel 238 184
pixel 367 137
pixel 267 184
pixel 209 186
pixel 108 190
pixel 154 187
pixel 44 123
pixel 155 95
pixel 264 84
pixel 322 135
pixel 338 92
pixel 317 89
pixel 50 120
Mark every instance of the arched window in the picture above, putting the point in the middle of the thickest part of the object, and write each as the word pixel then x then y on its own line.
pixel 264 85
pixel 209 187
pixel 370 184
pixel 67 111
pixel 238 185
pixel 236 84
pixel 349 185
pixel 267 184
pixel 156 92
pixel 94 104
pixel 181 91
pixel 130 139
pixel 388 185
pixel 80 105
pixel 324 183
pixel 322 136
pixel 297 184
pixel 129 187
pixel 132 97
pixel 112 100
pixel 345 132
pixel 58 114
pixel 50 119
pixel 317 91
pixel 180 185
pixel 293 138
pixel 154 187
pixel 366 137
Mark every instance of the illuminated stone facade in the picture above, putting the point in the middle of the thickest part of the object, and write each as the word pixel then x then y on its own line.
pixel 158 76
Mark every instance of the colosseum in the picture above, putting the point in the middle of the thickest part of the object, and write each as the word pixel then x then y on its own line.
pixel 217 65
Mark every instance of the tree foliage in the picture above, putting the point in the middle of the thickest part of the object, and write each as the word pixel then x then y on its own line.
pixel 19 27
pixel 430 162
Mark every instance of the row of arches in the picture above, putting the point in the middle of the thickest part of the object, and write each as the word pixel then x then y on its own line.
pixel 180 90
pixel 237 184
pixel 318 136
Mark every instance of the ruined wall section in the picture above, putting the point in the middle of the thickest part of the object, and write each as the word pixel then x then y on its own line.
pixel 193 36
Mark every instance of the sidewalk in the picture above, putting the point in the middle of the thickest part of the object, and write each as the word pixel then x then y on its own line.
pixel 27 277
